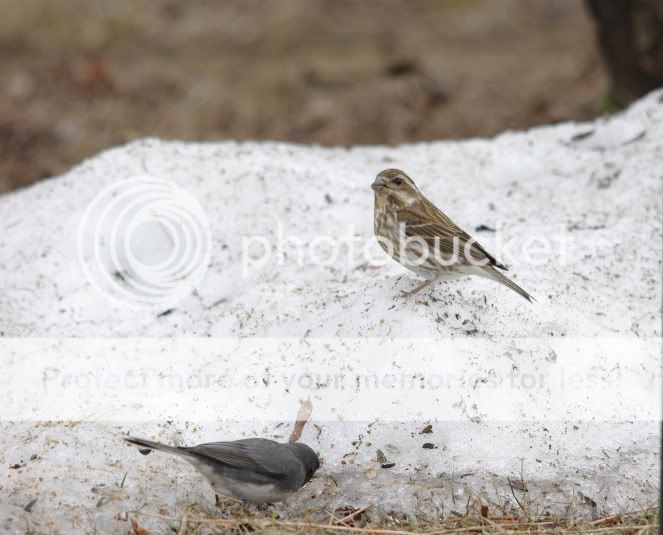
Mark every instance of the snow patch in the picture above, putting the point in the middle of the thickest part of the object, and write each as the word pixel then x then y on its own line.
pixel 591 191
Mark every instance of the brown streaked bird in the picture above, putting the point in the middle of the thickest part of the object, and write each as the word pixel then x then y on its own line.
pixel 415 233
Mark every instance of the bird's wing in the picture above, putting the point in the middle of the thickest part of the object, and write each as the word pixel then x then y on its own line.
pixel 256 455
pixel 430 224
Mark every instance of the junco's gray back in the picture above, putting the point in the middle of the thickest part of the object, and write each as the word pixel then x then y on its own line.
pixel 256 470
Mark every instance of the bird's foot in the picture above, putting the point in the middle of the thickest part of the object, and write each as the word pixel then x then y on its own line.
pixel 418 288
pixel 227 501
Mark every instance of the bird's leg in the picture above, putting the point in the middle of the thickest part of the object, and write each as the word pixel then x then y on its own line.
pixel 220 501
pixel 252 509
pixel 420 287
pixel 264 508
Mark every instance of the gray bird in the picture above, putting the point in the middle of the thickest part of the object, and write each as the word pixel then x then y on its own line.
pixel 255 470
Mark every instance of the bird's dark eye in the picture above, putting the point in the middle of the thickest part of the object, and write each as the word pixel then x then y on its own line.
pixel 398 182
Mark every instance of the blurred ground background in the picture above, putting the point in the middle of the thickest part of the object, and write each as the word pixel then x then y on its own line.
pixel 77 76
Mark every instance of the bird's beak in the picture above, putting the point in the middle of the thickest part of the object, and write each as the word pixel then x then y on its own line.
pixel 378 184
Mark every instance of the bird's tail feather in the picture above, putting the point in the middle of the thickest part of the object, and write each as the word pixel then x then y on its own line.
pixel 495 275
pixel 156 446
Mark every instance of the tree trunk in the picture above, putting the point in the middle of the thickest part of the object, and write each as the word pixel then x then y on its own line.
pixel 630 34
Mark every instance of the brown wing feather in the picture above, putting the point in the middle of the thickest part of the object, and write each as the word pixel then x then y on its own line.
pixel 429 223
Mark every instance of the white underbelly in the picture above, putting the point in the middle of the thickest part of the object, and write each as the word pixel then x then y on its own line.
pixel 239 490
pixel 434 274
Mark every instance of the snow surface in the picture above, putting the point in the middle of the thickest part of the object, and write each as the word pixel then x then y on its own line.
pixel 564 394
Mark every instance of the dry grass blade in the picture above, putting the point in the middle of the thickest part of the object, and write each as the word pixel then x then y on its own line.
pixel 643 522
pixel 305 411
pixel 354 514
pixel 183 525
